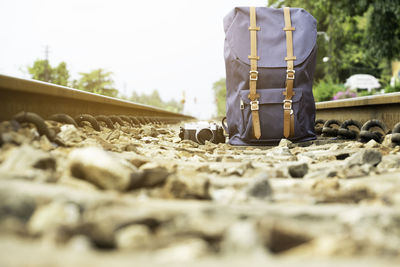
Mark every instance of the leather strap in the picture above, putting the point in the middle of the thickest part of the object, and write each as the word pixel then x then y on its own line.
pixel 288 116
pixel 253 96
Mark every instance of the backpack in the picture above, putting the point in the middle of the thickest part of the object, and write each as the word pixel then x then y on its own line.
pixel 270 60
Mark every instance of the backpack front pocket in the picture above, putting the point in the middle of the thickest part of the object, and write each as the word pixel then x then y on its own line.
pixel 270 113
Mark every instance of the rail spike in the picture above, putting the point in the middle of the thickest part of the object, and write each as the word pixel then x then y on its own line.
pixel 126 119
pixel 89 118
pixel 135 121
pixel 106 120
pixel 345 133
pixel 330 131
pixel 37 121
pixel 116 119
pixel 396 134
pixel 63 118
pixel 366 134
pixel 318 126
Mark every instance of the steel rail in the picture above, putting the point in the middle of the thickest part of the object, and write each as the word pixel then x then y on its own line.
pixel 46 99
pixel 385 108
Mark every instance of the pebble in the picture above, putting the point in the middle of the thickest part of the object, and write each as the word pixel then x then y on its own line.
pixel 365 156
pixel 69 135
pixel 298 170
pixel 136 236
pixel 100 168
pixel 53 215
pixel 260 188
pixel 187 187
pixel 150 175
pixel 241 237
pixel 24 158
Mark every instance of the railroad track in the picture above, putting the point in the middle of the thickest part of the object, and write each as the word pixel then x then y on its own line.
pixel 362 118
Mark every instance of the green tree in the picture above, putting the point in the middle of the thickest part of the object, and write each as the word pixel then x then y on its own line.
pixel 219 88
pixel 41 70
pixel 97 81
pixel 360 36
pixel 60 74
pixel 154 99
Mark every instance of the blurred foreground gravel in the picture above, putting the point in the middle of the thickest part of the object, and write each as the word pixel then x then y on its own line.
pixel 140 196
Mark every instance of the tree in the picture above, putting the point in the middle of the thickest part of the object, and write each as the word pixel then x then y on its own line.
pixel 359 35
pixel 41 70
pixel 97 81
pixel 219 88
pixel 154 99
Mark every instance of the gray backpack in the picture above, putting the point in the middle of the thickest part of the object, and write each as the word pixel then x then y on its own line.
pixel 270 60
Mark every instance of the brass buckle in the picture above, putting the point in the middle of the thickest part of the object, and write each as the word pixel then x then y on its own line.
pixel 288 77
pixel 251 75
pixel 254 105
pixel 287 105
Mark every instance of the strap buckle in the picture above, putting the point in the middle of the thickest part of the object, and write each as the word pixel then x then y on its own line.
pixel 254 105
pixel 287 105
pixel 290 74
pixel 253 75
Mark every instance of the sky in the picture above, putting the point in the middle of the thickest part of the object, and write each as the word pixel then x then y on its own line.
pixel 174 46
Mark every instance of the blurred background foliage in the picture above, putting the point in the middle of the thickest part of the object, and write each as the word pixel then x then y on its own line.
pixel 354 37
pixel 98 81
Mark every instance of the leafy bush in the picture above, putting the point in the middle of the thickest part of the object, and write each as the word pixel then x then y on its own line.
pixel 325 89
pixel 344 94
pixel 392 89
pixel 366 93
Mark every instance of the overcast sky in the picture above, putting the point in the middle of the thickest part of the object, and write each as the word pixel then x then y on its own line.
pixel 174 46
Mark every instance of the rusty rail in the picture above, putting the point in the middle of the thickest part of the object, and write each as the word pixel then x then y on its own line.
pixel 46 99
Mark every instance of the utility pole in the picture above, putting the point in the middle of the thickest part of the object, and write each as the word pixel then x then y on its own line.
pixel 46 67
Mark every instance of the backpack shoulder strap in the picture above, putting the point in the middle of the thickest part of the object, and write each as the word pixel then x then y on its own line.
pixel 288 116
pixel 253 96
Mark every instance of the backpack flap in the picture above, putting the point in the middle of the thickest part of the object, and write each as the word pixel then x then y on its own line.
pixel 271 23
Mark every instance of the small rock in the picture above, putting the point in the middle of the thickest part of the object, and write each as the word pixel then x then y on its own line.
pixel 150 175
pixel 365 156
pixel 131 148
pixel 241 237
pixel 327 173
pixel 334 147
pixel 259 188
pixel 100 168
pixel 372 144
pixel 298 170
pixel 186 250
pixel 209 146
pixel 69 135
pixel 389 163
pixel 189 143
pixel 134 236
pixel 187 187
pixel 25 157
pixel 14 205
pixel 45 144
pixel 149 131
pixel 286 143
pixel 53 215
pixel 281 153
pixel 80 243
pixel 387 141
pixel 113 135
pixel 355 171
pixel 326 184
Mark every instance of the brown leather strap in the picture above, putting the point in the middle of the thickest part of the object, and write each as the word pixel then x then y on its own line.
pixel 288 116
pixel 253 96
